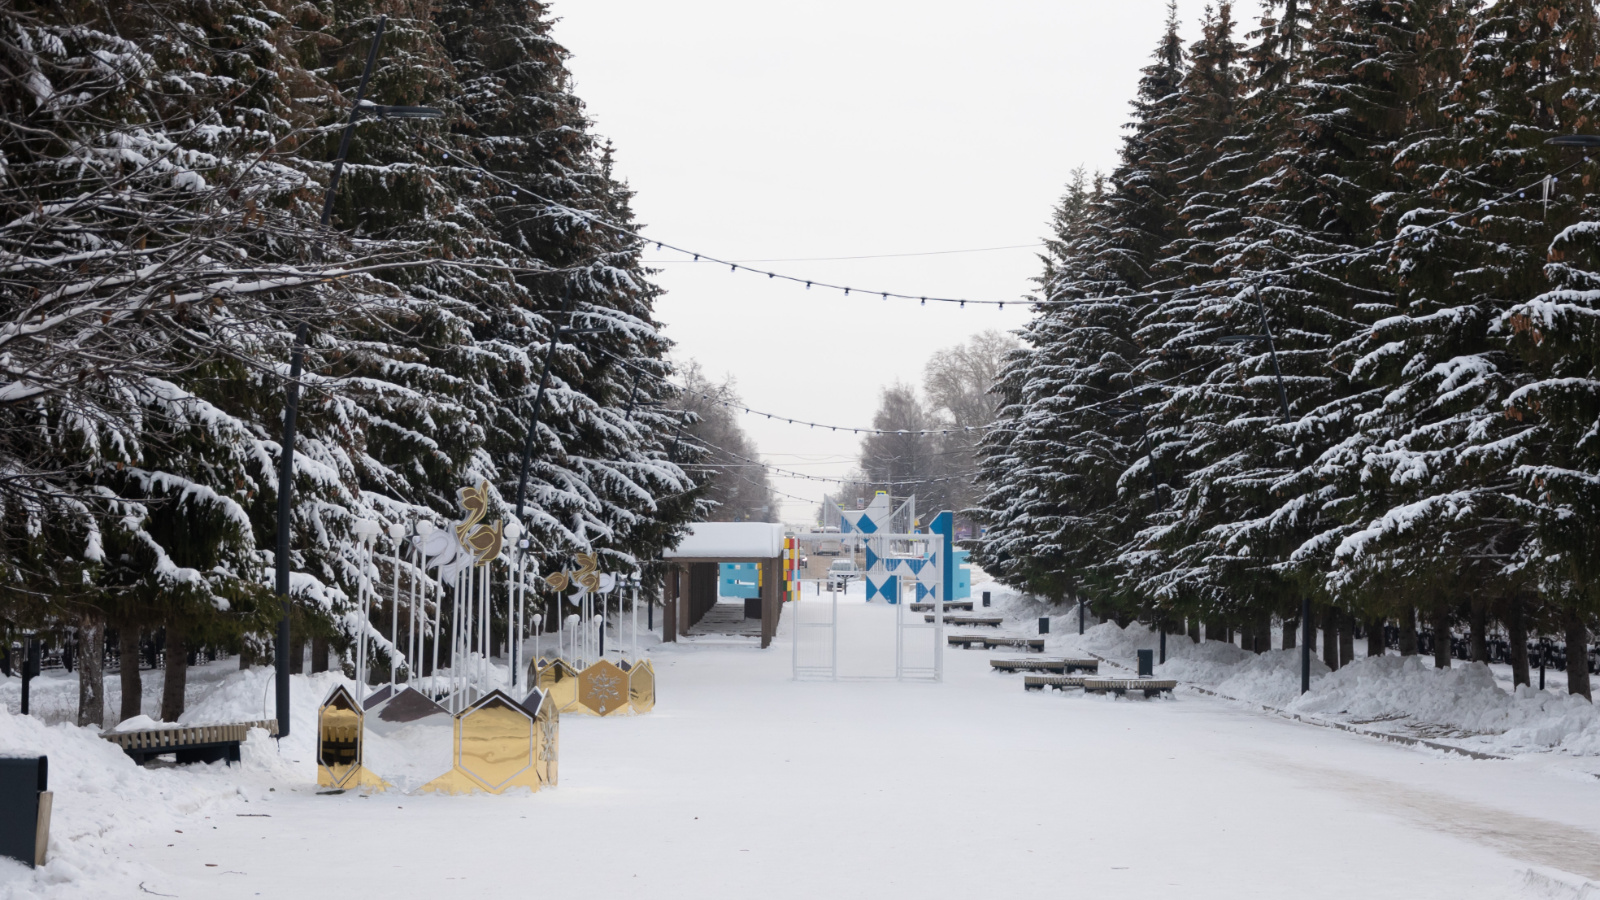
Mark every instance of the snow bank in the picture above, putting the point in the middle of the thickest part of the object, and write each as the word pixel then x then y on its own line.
pixel 1462 705
pixel 1463 698
pixel 104 803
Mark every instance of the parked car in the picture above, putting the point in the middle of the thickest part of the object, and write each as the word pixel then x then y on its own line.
pixel 831 545
pixel 840 573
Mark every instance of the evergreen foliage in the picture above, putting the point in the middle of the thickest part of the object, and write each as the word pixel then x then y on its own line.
pixel 1362 181
pixel 164 167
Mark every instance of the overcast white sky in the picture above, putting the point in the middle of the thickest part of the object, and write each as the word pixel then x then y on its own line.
pixel 760 131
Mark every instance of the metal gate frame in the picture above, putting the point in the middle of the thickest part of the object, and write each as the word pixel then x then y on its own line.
pixel 902 672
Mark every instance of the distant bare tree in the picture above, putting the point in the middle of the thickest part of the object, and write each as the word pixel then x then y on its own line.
pixel 957 381
pixel 738 481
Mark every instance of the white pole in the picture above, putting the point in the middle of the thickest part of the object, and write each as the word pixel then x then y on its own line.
pixel 411 632
pixel 833 630
pixel 394 623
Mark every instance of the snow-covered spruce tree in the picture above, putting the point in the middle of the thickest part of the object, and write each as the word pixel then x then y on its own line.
pixel 1163 562
pixel 1329 122
pixel 1441 507
pixel 601 479
pixel 147 190
pixel 1553 410
pixel 1049 467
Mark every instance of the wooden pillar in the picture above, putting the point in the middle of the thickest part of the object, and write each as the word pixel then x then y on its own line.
pixel 669 605
pixel 771 576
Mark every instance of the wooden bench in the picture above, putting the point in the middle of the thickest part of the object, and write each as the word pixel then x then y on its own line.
pixel 994 621
pixel 964 605
pixel 1059 682
pixel 990 641
pixel 189 744
pixel 1150 687
pixel 1059 666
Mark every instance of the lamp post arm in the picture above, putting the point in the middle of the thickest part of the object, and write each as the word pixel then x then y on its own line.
pixel 350 126
pixel 1272 348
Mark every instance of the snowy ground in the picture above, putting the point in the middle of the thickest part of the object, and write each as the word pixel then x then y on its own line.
pixel 743 783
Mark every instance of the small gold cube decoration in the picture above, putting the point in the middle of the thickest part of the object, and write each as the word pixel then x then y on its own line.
pixel 642 687
pixel 497 748
pixel 560 681
pixel 603 689
pixel 340 728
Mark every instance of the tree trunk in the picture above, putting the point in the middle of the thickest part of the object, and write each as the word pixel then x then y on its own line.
pixel 177 671
pixel 1517 627
pixel 1478 631
pixel 1577 652
pixel 319 653
pixel 1347 638
pixel 91 671
pixel 1408 631
pixel 1291 626
pixel 1375 644
pixel 1194 629
pixel 1441 635
pixel 1215 631
pixel 1247 639
pixel 1330 638
pixel 1263 634
pixel 132 686
pixel 297 653
pixel 247 656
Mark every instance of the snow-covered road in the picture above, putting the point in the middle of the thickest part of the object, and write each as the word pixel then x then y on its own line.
pixel 744 783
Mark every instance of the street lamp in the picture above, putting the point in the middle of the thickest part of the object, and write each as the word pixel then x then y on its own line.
pixel 291 407
pixel 1283 404
pixel 1581 141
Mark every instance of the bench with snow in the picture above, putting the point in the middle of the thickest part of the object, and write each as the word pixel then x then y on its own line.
pixel 1150 687
pixel 1059 682
pixel 188 743
pixel 1059 666
pixel 964 605
pixel 993 621
pixel 990 641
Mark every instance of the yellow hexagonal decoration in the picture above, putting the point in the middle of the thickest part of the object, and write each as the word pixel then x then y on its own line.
pixel 642 687
pixel 602 689
pixel 340 728
pixel 560 681
pixel 496 748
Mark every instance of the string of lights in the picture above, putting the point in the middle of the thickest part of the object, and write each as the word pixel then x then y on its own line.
pixel 1231 282
pixel 712 398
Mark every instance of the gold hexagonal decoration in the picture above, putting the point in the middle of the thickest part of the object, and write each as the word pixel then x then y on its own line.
pixel 560 681
pixel 497 748
pixel 602 689
pixel 340 728
pixel 642 686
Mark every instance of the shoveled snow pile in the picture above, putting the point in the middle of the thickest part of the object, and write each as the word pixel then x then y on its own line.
pixel 103 801
pixel 1463 698
pixel 1462 705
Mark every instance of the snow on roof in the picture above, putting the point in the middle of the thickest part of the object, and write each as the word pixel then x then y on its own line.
pixel 730 540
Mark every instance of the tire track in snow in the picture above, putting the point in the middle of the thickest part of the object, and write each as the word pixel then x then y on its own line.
pixel 1526 838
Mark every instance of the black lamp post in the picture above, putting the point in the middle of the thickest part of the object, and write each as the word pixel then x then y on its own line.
pixel 1283 404
pixel 291 406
